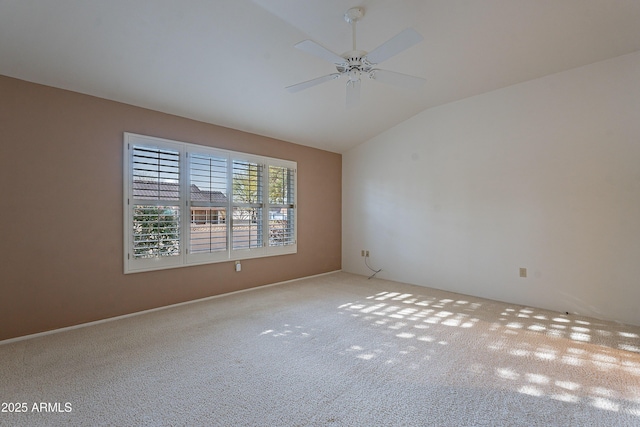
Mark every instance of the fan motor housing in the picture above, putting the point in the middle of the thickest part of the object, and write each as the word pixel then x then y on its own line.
pixel 354 60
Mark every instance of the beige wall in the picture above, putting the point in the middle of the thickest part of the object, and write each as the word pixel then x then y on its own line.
pixel 61 218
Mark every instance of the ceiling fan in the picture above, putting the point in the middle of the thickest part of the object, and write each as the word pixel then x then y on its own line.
pixel 356 64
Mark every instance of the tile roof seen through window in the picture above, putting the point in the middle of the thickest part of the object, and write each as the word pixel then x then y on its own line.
pixel 170 191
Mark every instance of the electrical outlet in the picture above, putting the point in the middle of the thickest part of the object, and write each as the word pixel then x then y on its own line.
pixel 362 252
pixel 523 272
pixel 366 254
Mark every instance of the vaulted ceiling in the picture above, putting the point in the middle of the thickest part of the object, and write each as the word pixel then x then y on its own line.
pixel 228 62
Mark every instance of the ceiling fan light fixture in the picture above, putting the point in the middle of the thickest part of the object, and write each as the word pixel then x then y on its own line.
pixel 354 63
pixel 354 74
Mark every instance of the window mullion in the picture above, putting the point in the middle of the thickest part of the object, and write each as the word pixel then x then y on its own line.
pixel 184 203
pixel 230 219
pixel 266 209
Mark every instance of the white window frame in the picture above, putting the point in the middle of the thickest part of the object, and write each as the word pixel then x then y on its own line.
pixel 133 264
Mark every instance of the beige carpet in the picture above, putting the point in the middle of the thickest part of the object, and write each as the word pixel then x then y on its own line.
pixel 337 350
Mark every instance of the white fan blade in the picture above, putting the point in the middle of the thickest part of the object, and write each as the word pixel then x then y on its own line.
pixel 353 93
pixel 394 46
pixel 313 82
pixel 397 79
pixel 321 52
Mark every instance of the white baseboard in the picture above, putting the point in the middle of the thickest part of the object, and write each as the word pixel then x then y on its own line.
pixel 151 310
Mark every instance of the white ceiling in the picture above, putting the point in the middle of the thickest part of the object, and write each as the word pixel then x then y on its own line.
pixel 227 62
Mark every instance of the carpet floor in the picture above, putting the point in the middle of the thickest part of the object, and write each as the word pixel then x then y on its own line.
pixel 334 350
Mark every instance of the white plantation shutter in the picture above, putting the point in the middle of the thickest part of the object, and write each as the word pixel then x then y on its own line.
pixel 282 218
pixel 187 204
pixel 156 173
pixel 247 222
pixel 153 206
pixel 208 192
pixel 156 231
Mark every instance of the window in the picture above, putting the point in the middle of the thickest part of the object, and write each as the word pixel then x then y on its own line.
pixel 247 230
pixel 187 204
pixel 209 199
pixel 281 206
